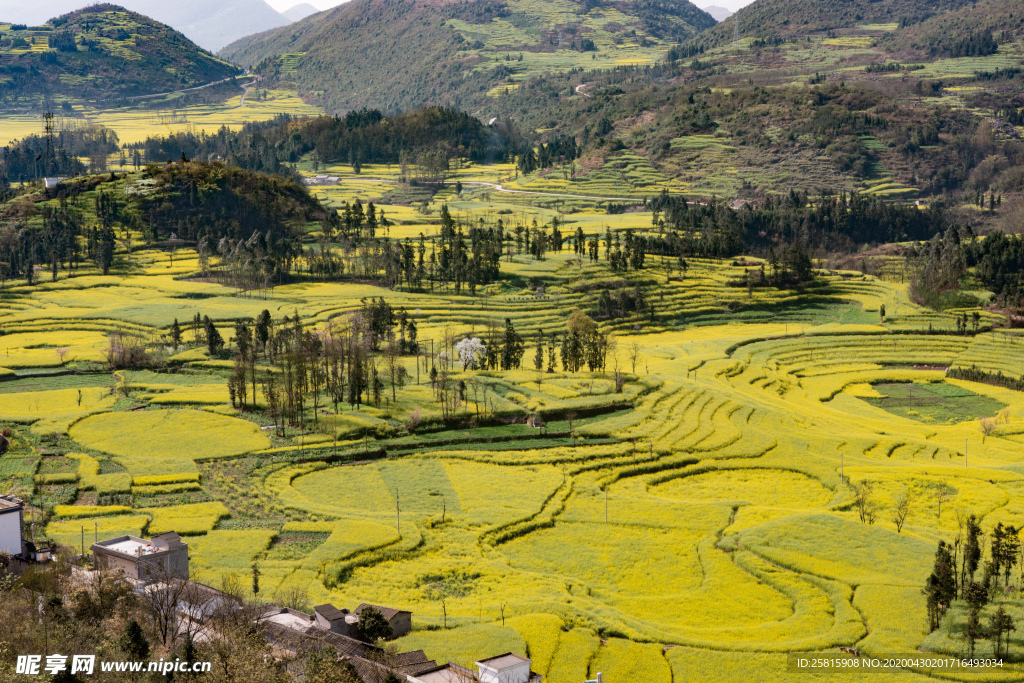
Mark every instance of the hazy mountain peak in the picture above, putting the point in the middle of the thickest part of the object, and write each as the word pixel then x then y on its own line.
pixel 300 11
pixel 719 13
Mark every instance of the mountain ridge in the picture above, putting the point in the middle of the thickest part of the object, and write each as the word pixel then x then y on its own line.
pixel 104 52
pixel 401 54
pixel 209 24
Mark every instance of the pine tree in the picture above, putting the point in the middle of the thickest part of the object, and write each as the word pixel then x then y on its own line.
pixel 175 334
pixel 133 641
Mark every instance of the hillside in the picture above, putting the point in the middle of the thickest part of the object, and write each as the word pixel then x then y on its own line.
pixel 787 18
pixel 400 54
pixel 211 24
pixel 975 30
pixel 103 53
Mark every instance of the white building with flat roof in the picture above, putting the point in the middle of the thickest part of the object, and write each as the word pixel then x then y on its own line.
pixel 10 525
pixel 163 556
pixel 507 668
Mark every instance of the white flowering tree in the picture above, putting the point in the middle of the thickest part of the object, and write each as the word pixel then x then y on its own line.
pixel 470 352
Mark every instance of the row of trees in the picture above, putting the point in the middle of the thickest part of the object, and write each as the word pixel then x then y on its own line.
pixel 954 576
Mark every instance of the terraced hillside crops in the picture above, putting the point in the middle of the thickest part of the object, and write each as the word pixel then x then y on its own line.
pixel 701 523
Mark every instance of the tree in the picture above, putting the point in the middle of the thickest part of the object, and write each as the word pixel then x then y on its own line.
pixel 373 626
pixel 972 630
pixel 255 579
pixel 175 334
pixel 866 509
pixel 972 553
pixel 634 354
pixel 538 357
pixel 323 666
pixel 264 324
pixel 940 588
pixel 513 348
pixel 214 342
pixel 901 510
pixel 999 623
pixel 133 641
pixel 470 352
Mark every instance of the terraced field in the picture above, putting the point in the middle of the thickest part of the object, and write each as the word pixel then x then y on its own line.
pixel 699 524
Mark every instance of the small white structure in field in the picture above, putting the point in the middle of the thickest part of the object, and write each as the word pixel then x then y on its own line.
pixel 507 668
pixel 51 182
pixel 10 525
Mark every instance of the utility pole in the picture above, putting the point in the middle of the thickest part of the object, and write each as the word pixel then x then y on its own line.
pixel 398 514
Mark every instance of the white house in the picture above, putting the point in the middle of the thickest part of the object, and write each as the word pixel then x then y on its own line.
pixel 10 525
pixel 506 668
pixel 51 182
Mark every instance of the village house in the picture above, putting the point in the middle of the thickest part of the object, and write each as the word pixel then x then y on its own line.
pixel 164 556
pixel 346 623
pixel 504 668
pixel 11 536
pixel 293 633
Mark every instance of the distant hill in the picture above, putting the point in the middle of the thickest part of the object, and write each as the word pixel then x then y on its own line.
pixel 719 13
pixel 974 30
pixel 212 24
pixel 104 52
pixel 787 18
pixel 299 12
pixel 401 54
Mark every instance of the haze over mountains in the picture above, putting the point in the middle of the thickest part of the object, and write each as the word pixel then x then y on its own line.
pixel 300 11
pixel 719 13
pixel 211 24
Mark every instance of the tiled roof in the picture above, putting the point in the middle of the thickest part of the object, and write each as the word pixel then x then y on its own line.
pixel 388 612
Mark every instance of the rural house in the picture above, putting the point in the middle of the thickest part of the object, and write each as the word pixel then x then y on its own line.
pixel 11 525
pixel 345 623
pixel 292 632
pixel 164 556
pixel 505 668
pixel 400 619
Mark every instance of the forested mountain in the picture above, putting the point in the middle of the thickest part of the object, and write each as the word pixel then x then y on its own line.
pixel 787 18
pixel 211 24
pixel 975 30
pixel 104 53
pixel 400 54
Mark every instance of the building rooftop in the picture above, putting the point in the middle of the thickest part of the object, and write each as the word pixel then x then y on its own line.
pixel 129 546
pixel 330 612
pixel 388 613
pixel 290 620
pixel 9 503
pixel 449 673
pixel 504 661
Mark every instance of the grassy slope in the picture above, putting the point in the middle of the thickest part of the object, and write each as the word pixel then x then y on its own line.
pixel 399 54
pixel 118 54
pixel 1004 18
pixel 798 17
